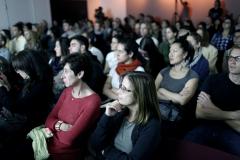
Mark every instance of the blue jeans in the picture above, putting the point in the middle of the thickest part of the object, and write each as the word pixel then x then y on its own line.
pixel 216 134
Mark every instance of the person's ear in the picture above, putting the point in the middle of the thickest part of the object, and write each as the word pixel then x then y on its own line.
pixel 131 54
pixel 80 74
pixel 83 48
pixel 185 55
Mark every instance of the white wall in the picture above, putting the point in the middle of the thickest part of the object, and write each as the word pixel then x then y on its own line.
pixel 24 10
pixel 42 10
pixel 3 15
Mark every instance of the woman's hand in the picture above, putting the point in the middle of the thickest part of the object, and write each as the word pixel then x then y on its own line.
pixel 48 133
pixel 112 108
pixel 4 81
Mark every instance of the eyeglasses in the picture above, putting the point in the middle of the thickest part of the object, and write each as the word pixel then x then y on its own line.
pixel 236 58
pixel 124 88
pixel 227 22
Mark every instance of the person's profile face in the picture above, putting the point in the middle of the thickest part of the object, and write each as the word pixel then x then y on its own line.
pixel 74 46
pixel 68 76
pixel 125 92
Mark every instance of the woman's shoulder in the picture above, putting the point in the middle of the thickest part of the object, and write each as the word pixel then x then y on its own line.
pixel 93 96
pixel 153 123
pixel 165 70
pixel 192 74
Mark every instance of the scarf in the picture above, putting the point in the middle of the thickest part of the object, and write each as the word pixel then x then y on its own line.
pixel 123 68
pixel 39 144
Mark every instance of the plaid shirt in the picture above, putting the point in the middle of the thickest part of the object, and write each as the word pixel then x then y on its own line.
pixel 222 43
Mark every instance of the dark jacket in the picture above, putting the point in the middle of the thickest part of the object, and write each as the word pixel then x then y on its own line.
pixel 145 138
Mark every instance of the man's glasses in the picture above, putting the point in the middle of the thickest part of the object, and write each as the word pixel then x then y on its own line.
pixel 236 58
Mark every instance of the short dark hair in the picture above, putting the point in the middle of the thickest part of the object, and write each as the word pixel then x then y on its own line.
pixel 19 26
pixel 79 62
pixel 130 46
pixel 82 40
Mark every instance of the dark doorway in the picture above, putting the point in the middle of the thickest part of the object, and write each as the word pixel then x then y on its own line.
pixel 68 9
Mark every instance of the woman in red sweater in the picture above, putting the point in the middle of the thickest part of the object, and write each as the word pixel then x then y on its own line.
pixel 75 113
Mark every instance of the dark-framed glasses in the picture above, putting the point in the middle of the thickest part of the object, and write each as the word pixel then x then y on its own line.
pixel 235 58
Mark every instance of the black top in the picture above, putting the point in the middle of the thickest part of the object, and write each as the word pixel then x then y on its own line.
pixel 145 138
pixel 224 93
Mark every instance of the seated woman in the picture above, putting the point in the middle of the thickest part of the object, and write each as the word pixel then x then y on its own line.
pixel 130 127
pixel 61 50
pixel 127 56
pixel 199 63
pixel 30 105
pixel 111 57
pixel 75 113
pixel 175 86
pixel 208 50
pixel 153 60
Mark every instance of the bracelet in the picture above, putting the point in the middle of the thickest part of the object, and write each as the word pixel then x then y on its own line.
pixel 58 124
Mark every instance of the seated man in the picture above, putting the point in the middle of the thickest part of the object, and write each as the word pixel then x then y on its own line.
pixel 218 105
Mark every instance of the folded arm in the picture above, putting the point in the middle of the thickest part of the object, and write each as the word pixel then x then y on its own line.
pixel 206 109
pixel 182 97
pixel 108 89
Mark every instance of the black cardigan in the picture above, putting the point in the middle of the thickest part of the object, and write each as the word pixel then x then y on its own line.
pixel 145 138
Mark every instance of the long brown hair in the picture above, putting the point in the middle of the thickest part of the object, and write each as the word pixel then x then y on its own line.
pixel 145 94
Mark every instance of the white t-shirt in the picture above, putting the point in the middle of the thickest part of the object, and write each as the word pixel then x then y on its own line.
pixel 111 59
pixel 116 78
pixel 96 52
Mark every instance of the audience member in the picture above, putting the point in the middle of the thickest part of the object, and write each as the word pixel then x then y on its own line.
pixel 145 30
pixel 68 29
pixel 111 58
pixel 75 113
pixel 61 51
pixel 80 44
pixel 4 52
pixel 218 107
pixel 94 50
pixel 30 107
pixel 199 63
pixel 176 85
pixel 223 40
pixel 236 43
pixel 127 56
pixel 18 41
pixel 152 60
pixel 32 42
pixel 130 126
pixel 171 34
pixel 208 50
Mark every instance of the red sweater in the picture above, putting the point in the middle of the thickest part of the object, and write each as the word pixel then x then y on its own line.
pixel 81 113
